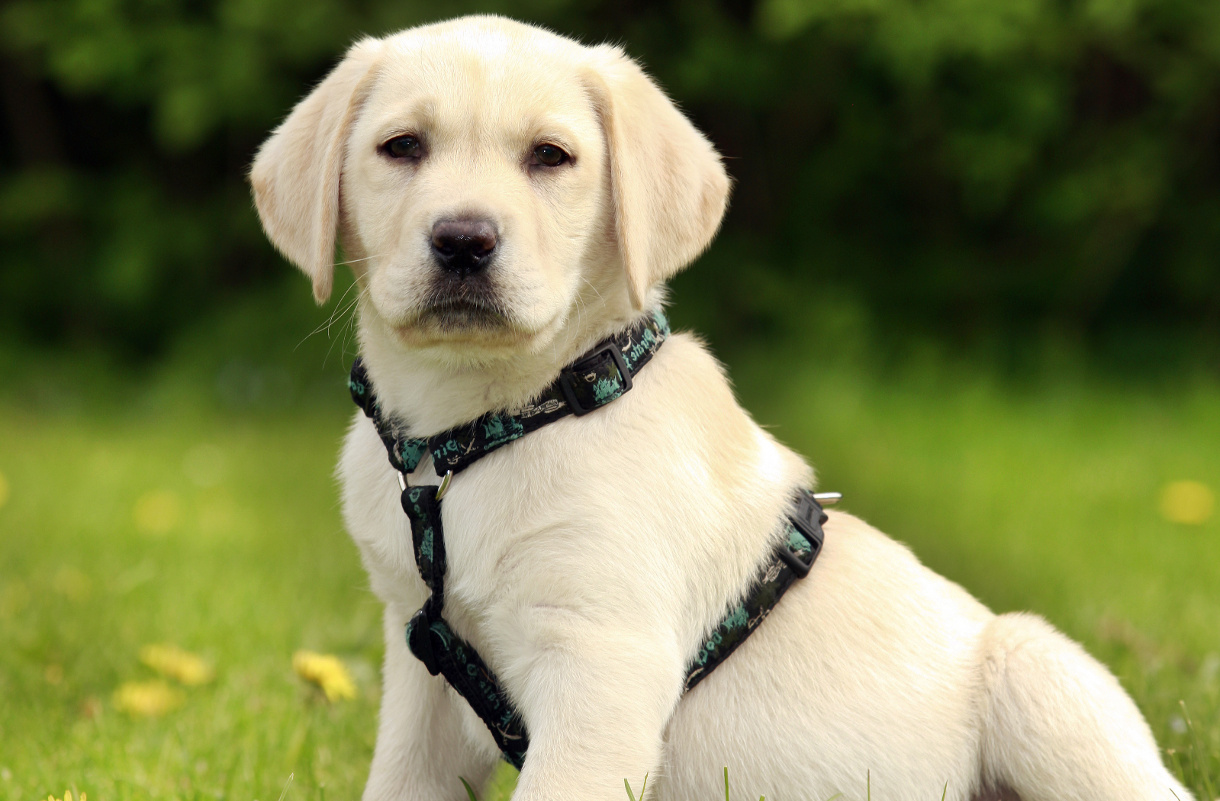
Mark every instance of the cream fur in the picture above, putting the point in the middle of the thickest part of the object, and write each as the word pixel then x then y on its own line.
pixel 588 560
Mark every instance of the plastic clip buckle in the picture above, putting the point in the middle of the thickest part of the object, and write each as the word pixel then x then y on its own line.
pixel 568 378
pixel 419 639
pixel 807 518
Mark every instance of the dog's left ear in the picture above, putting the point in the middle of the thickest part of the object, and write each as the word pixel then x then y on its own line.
pixel 297 170
pixel 669 186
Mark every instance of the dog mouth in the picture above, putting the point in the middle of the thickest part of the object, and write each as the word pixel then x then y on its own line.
pixel 462 315
pixel 469 313
pixel 464 306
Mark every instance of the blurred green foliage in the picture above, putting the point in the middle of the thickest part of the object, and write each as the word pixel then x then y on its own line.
pixel 966 168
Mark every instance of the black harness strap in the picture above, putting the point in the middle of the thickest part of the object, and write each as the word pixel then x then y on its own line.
pixel 793 558
pixel 597 378
pixel 600 376
pixel 434 643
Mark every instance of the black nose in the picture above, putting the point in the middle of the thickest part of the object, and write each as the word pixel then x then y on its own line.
pixel 463 247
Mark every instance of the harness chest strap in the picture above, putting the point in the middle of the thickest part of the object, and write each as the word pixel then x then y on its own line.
pixel 598 378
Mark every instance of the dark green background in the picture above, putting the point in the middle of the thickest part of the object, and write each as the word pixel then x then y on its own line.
pixel 992 176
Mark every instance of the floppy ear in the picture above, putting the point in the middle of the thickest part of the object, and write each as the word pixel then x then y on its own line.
pixel 669 186
pixel 296 172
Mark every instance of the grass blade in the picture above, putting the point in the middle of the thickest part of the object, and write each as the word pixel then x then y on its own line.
pixel 288 783
pixel 643 788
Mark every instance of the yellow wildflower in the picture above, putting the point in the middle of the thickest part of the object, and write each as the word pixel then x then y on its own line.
pixel 1187 502
pixel 147 698
pixel 67 796
pixel 327 672
pixel 172 661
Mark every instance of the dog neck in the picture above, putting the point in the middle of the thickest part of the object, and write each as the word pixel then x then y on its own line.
pixel 432 390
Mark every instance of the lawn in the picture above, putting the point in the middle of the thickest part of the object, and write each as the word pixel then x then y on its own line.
pixel 182 514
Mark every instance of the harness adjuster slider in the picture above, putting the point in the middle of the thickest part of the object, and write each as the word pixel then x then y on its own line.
pixel 569 377
pixel 807 518
pixel 419 639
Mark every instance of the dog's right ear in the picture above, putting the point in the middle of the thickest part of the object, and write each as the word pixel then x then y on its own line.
pixel 297 170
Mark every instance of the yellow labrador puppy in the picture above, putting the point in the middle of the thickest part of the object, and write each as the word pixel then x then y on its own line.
pixel 509 198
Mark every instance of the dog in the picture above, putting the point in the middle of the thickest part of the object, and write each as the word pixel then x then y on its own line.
pixel 508 198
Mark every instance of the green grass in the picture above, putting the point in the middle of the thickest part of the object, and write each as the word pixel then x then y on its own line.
pixel 1038 496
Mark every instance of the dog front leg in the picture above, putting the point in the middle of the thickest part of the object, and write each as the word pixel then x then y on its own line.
pixel 421 749
pixel 595 701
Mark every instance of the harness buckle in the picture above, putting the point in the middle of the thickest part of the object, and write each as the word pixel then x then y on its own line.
pixel 570 375
pixel 807 517
pixel 419 638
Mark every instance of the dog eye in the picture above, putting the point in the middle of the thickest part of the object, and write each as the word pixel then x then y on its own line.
pixel 403 147
pixel 549 156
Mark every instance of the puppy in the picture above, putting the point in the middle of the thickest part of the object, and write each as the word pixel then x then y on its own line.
pixel 588 560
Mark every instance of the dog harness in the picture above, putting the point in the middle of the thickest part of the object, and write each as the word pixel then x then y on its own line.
pixel 599 377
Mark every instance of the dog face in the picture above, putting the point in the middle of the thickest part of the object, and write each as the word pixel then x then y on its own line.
pixel 489 179
pixel 476 180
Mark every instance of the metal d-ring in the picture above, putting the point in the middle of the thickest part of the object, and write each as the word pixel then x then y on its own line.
pixel 444 487
pixel 440 491
pixel 828 498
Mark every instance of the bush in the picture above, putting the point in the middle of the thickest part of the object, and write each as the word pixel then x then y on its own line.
pixel 972 169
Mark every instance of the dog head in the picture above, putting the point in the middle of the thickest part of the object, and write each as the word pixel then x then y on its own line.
pixel 487 179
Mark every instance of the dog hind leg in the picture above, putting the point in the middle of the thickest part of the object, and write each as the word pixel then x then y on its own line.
pixel 1057 724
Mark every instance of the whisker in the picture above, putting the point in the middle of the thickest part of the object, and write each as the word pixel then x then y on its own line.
pixel 354 261
pixel 340 310
pixel 349 329
pixel 594 288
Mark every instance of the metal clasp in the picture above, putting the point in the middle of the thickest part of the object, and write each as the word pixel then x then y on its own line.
pixel 440 490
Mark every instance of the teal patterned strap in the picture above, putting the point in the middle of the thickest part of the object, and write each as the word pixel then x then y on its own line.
pixel 599 377
pixel 443 652
pixel 791 560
